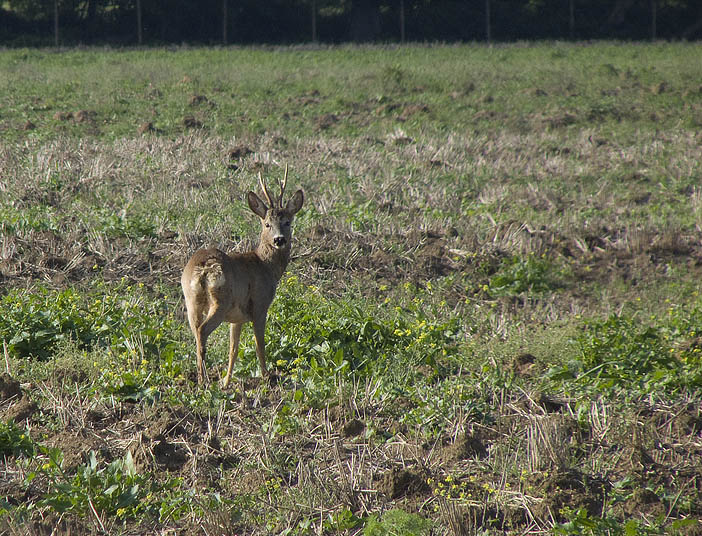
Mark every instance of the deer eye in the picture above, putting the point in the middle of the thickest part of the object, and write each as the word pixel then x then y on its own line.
pixel 268 225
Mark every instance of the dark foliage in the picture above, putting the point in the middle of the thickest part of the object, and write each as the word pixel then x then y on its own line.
pixel 31 22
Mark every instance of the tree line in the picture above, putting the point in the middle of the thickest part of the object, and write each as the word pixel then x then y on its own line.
pixel 134 22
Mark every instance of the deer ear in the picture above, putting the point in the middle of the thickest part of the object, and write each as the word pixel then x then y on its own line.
pixel 257 206
pixel 295 203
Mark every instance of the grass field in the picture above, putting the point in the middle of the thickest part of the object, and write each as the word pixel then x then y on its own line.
pixel 491 322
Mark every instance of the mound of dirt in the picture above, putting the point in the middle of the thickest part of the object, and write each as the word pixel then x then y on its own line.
pixel 412 109
pixel 190 122
pixel 643 500
pixel 19 408
pixel 145 128
pixel 326 121
pixel 353 428
pixel 466 447
pixel 398 483
pixel 197 100
pixel 76 446
pixel 568 488
pixel 9 388
pixel 523 365
pixel 21 411
pixel 238 151
pixel 170 456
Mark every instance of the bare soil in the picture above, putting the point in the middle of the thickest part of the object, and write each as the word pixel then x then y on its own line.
pixel 182 443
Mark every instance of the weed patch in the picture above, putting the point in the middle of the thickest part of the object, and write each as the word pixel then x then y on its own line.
pixel 121 318
pixel 491 326
pixel 621 357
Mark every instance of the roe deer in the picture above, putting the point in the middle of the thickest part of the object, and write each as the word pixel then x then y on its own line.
pixel 239 288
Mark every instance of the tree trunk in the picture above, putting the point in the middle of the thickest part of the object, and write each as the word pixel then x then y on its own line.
pixel 692 29
pixel 140 37
pixel 402 21
pixel 56 23
pixel 488 31
pixel 571 19
pixel 365 20
pixel 314 21
pixel 225 20
pixel 654 15
pixel 619 11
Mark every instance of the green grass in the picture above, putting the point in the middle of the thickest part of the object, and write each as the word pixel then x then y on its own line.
pixel 491 321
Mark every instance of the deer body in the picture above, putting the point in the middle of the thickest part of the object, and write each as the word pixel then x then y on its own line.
pixel 240 288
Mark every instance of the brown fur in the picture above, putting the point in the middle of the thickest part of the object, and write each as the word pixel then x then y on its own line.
pixel 239 288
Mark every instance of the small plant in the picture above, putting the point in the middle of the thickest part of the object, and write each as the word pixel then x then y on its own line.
pixel 115 490
pixel 581 523
pixel 34 323
pixel 619 355
pixel 397 523
pixel 519 275
pixel 15 441
pixel 341 521
pixel 124 224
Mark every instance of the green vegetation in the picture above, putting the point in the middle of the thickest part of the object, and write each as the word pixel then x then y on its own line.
pixel 491 322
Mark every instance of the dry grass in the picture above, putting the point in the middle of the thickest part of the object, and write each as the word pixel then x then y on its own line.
pixel 506 210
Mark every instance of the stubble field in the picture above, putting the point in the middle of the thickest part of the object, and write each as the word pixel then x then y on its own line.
pixel 491 322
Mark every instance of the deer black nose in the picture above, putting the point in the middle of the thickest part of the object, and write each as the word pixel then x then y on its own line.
pixel 279 241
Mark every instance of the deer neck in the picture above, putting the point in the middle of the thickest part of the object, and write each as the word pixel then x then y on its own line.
pixel 275 258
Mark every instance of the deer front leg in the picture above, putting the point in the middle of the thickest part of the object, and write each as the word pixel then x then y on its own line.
pixel 234 336
pixel 259 326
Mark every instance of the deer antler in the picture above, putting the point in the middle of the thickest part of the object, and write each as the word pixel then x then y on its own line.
pixel 265 190
pixel 282 186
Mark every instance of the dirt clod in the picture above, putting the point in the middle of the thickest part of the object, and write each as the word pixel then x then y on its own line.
pixel 523 365
pixel 326 121
pixel 550 404
pixel 398 483
pixel 145 128
pixel 568 488
pixel 170 455
pixel 238 151
pixel 197 100
pixel 9 388
pixel 353 428
pixel 83 116
pixel 190 122
pixel 21 411
pixel 467 446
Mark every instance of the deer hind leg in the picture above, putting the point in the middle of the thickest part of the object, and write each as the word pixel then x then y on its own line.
pixel 195 320
pixel 214 318
pixel 234 336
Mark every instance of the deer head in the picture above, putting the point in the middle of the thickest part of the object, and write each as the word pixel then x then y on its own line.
pixel 276 219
